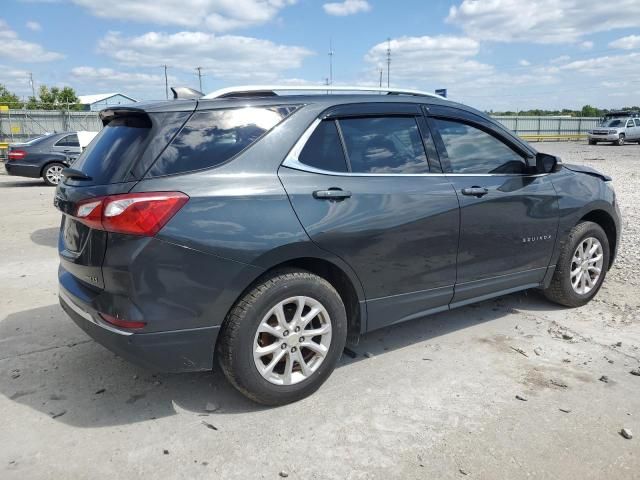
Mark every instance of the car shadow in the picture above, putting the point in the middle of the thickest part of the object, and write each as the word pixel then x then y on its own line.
pixel 48 364
pixel 47 237
pixel 23 183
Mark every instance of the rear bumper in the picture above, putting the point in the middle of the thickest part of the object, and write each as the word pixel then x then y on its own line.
pixel 21 170
pixel 171 351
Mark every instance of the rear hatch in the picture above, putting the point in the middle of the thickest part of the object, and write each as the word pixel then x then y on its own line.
pixel 112 164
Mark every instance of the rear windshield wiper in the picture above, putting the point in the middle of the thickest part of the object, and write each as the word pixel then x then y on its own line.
pixel 76 174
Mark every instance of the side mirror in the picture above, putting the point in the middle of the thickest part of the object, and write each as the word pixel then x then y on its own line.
pixel 546 163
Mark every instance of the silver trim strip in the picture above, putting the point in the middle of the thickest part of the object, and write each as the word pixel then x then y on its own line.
pixel 314 88
pixel 87 316
pixel 292 161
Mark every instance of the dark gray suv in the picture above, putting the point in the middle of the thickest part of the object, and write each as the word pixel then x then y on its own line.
pixel 266 230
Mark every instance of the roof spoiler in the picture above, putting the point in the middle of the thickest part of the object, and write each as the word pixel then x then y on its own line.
pixel 186 93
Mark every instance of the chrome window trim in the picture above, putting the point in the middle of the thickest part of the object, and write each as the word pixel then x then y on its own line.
pixel 292 161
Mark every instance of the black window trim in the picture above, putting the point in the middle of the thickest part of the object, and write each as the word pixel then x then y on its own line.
pixel 356 111
pixel 451 114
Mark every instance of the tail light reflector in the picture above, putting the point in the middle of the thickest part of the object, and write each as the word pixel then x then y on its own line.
pixel 16 154
pixel 132 213
pixel 118 322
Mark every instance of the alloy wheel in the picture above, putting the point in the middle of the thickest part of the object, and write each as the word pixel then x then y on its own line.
pixel 54 174
pixel 292 340
pixel 586 265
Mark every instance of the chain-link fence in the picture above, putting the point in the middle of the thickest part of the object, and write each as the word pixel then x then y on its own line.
pixel 18 125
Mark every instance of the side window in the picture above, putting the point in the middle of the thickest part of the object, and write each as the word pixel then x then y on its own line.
pixel 630 123
pixel 637 120
pixel 384 145
pixel 471 150
pixel 68 141
pixel 323 150
pixel 210 138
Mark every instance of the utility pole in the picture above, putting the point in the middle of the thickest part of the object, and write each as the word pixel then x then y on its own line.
pixel 388 62
pixel 331 53
pixel 33 88
pixel 166 82
pixel 381 70
pixel 199 70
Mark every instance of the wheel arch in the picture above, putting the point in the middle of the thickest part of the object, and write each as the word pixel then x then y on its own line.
pixel 48 162
pixel 337 273
pixel 606 222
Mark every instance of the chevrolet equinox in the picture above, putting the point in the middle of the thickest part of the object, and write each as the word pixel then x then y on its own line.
pixel 263 231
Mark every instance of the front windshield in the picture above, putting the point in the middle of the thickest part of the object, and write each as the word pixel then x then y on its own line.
pixel 614 122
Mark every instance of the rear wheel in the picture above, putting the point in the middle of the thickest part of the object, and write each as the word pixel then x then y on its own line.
pixel 283 338
pixel 52 174
pixel 581 267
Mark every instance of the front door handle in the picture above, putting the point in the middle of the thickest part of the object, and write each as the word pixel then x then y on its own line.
pixel 475 191
pixel 332 194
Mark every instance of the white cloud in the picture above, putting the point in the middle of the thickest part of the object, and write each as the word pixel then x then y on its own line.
pixel 222 56
pixel 348 7
pixel 423 59
pixel 524 63
pixel 21 50
pixel 586 45
pixel 16 80
pixel 217 15
pixel 629 42
pixel 33 26
pixel 624 65
pixel 542 21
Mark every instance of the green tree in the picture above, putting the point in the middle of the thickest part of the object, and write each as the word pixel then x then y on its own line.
pixel 589 111
pixel 54 98
pixel 9 98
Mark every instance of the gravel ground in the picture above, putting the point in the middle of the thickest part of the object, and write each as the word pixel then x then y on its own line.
pixel 442 397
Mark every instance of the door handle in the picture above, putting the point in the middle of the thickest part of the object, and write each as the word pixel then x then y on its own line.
pixel 475 191
pixel 331 194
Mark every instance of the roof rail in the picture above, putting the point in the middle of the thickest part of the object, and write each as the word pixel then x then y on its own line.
pixel 270 90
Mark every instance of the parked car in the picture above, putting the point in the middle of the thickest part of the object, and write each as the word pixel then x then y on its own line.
pixel 46 156
pixel 617 128
pixel 266 230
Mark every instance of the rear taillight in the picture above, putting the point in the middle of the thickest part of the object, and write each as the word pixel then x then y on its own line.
pixel 16 154
pixel 132 213
pixel 118 322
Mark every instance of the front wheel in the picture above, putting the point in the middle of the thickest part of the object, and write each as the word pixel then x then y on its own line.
pixel 52 174
pixel 283 338
pixel 620 140
pixel 592 142
pixel 581 267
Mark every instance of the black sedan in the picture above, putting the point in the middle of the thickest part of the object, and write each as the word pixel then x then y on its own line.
pixel 45 156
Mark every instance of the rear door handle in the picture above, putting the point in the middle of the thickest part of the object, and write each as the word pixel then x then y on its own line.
pixel 475 191
pixel 332 194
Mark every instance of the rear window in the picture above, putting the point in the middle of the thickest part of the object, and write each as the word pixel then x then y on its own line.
pixel 212 137
pixel 108 159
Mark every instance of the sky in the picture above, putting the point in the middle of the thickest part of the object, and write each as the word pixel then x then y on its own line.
pixel 490 54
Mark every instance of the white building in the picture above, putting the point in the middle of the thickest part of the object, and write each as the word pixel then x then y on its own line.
pixel 104 100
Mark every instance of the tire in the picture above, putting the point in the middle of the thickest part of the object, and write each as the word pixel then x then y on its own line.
pixel 620 141
pixel 51 173
pixel 592 142
pixel 243 332
pixel 561 290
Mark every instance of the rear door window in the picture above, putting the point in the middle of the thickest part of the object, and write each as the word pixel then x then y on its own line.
pixel 384 145
pixel 323 150
pixel 68 141
pixel 213 137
